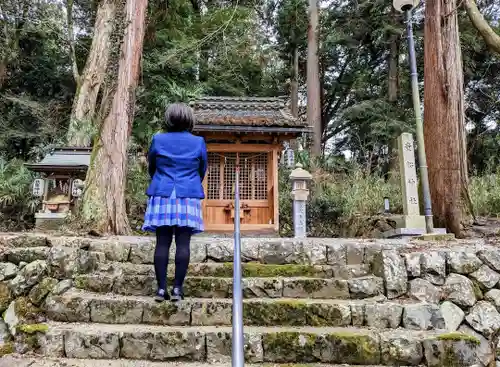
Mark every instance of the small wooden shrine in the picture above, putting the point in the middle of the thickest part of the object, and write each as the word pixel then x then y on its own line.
pixel 62 174
pixel 250 131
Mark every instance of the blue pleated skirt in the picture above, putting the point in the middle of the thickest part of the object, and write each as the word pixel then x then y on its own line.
pixel 173 211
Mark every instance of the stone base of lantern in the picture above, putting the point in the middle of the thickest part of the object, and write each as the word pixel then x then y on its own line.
pixel 49 221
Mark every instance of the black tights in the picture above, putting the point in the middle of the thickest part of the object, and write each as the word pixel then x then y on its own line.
pixel 164 237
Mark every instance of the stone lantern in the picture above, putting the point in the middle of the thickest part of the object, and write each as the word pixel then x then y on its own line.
pixel 300 193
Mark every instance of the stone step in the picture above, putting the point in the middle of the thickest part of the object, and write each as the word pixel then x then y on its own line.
pixel 250 269
pixel 10 361
pixel 140 250
pixel 217 287
pixel 77 306
pixel 262 344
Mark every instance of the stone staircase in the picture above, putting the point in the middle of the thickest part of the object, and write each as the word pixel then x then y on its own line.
pixel 87 302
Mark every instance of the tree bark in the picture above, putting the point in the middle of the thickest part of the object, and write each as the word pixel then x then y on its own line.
pixel 313 80
pixel 104 197
pixel 490 37
pixel 294 85
pixel 444 126
pixel 81 127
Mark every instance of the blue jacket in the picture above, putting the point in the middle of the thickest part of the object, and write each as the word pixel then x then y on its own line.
pixel 177 160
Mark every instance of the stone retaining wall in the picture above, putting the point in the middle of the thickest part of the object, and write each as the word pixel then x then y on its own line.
pixel 457 283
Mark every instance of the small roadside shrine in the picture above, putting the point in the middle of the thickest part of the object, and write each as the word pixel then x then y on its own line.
pixel 61 183
pixel 249 131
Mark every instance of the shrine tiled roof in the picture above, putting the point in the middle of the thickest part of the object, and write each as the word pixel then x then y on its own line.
pixel 64 159
pixel 245 112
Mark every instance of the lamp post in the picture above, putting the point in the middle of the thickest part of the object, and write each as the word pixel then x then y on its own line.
pixel 406 6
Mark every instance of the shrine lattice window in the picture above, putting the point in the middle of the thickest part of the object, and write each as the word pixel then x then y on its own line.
pixel 221 176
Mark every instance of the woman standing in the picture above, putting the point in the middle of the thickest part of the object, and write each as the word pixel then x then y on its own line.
pixel 177 166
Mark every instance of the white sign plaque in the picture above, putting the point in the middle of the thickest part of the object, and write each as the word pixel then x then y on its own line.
pixel 38 187
pixel 77 188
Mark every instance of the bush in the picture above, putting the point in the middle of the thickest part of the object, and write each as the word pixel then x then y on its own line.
pixel 485 194
pixel 339 200
pixel 17 205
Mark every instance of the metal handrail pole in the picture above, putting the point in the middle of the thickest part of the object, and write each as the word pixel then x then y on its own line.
pixel 422 160
pixel 238 338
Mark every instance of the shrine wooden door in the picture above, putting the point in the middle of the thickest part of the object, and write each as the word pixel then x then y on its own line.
pixel 257 187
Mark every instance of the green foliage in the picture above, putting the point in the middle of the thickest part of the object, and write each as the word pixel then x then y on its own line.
pixel 485 194
pixel 17 205
pixel 338 195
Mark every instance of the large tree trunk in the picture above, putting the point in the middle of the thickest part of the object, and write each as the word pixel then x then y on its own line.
pixel 104 197
pixel 294 85
pixel 490 37
pixel 313 84
pixel 444 126
pixel 83 114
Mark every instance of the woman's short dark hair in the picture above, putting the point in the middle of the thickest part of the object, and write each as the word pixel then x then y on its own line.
pixel 179 117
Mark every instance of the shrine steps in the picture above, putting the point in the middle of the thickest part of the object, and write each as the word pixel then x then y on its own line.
pixel 18 361
pixel 78 306
pixel 219 287
pixel 356 346
pixel 329 301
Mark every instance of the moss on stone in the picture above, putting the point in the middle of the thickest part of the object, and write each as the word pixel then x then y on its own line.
pixel 41 290
pixel 256 270
pixel 31 340
pixel 285 313
pixel 456 336
pixel 468 268
pixel 355 348
pixel 6 348
pixel 269 271
pixel 201 287
pixel 25 309
pixel 81 282
pixel 450 358
pixel 312 285
pixel 289 346
pixel 292 313
pixel 5 296
pixel 33 328
pixel 291 302
pixel 477 290
pixel 21 306
pixel 164 310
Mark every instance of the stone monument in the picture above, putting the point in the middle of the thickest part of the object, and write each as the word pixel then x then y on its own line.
pixel 411 223
pixel 411 217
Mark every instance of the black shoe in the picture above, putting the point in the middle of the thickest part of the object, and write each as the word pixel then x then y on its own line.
pixel 161 295
pixel 177 294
